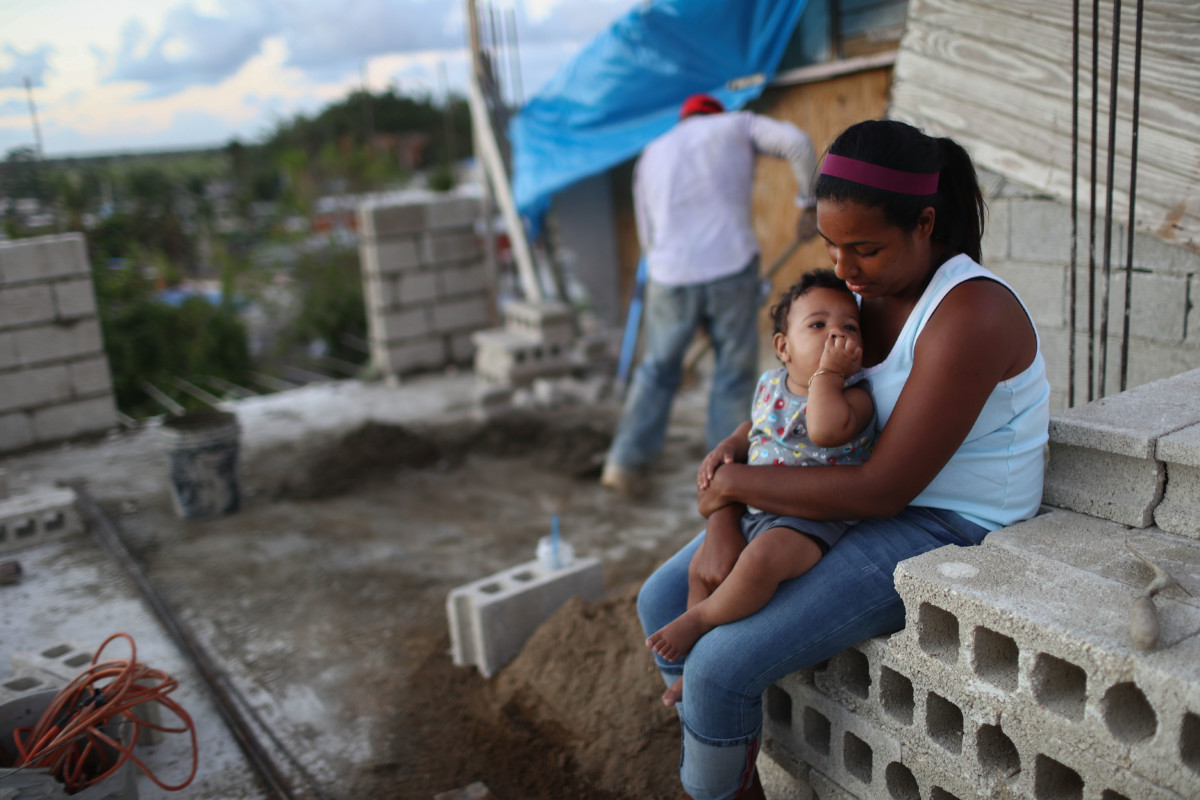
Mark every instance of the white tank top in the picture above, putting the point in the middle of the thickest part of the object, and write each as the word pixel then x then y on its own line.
pixel 995 477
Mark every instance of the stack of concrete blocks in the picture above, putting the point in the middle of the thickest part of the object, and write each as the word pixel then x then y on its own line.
pixel 425 282
pixel 536 341
pixel 36 515
pixel 491 618
pixel 1015 674
pixel 54 377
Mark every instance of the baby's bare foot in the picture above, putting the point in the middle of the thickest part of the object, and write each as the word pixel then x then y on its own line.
pixel 674 693
pixel 673 640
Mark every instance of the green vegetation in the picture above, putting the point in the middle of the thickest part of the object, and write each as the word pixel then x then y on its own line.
pixel 237 223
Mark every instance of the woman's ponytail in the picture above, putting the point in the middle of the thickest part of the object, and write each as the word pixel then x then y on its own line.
pixel 961 210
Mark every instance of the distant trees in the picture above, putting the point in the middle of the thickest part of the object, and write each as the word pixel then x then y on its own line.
pixel 156 220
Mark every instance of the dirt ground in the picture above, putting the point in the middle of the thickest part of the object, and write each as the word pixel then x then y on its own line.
pixel 326 592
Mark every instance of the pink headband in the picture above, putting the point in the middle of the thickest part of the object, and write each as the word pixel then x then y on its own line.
pixel 889 180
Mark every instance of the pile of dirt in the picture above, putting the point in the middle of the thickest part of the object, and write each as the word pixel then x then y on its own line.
pixel 577 714
pixel 587 673
pixel 365 452
pixel 375 451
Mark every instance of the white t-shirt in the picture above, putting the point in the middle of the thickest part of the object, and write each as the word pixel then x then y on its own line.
pixel 692 193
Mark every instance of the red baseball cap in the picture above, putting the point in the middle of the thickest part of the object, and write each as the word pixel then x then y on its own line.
pixel 700 104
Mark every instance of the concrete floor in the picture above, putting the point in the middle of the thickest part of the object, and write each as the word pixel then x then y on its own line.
pixel 73 590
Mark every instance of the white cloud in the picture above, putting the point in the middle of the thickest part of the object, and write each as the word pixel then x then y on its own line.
pixel 16 66
pixel 127 74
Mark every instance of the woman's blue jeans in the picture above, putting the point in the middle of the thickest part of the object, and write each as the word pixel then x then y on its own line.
pixel 849 596
pixel 728 310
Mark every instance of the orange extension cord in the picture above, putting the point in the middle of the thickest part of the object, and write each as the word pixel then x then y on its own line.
pixel 69 739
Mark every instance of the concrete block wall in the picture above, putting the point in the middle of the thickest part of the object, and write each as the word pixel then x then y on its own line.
pixel 54 378
pixel 1015 674
pixel 425 281
pixel 1028 243
pixel 1013 677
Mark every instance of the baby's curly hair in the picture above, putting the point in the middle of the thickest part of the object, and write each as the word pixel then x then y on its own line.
pixel 816 279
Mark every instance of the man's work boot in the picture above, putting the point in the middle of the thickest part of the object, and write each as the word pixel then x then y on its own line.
pixel 622 480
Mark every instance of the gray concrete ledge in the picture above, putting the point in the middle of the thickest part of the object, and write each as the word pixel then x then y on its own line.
pixel 1105 458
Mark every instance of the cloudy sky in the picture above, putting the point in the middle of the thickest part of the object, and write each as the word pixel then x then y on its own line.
pixel 126 75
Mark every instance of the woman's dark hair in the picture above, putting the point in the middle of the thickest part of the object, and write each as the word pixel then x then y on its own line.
pixel 958 204
pixel 816 279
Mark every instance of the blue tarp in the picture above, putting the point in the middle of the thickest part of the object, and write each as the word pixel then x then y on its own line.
pixel 625 87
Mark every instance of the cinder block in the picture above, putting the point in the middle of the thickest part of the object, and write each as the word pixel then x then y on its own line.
pixel 454 246
pixel 1041 231
pixel 9 357
pixel 459 280
pixel 395 255
pixel 90 376
pixel 784 777
pixel 59 341
pixel 68 256
pixel 1179 511
pixel 461 315
pixel 36 516
pixel 31 304
pixel 548 321
pixel 34 388
pixel 60 661
pixel 74 298
pixel 1158 304
pixel 379 220
pixel 416 287
pixel 1102 454
pixel 16 431
pixel 19 685
pixel 42 258
pixel 847 747
pixel 452 212
pixel 403 324
pixel 490 619
pixel 77 418
pixel 1042 287
pixel 504 357
pixel 1112 486
pixel 20 261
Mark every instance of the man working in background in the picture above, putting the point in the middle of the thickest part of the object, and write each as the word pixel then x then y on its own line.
pixel 692 198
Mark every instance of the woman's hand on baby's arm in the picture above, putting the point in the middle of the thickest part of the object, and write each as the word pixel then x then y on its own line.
pixel 711 463
pixel 731 450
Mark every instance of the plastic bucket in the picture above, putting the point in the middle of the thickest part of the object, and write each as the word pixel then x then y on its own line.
pixel 202 449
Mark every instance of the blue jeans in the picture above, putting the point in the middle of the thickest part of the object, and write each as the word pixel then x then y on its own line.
pixel 728 310
pixel 847 597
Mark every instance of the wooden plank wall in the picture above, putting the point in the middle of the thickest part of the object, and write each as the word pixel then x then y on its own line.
pixel 998 78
